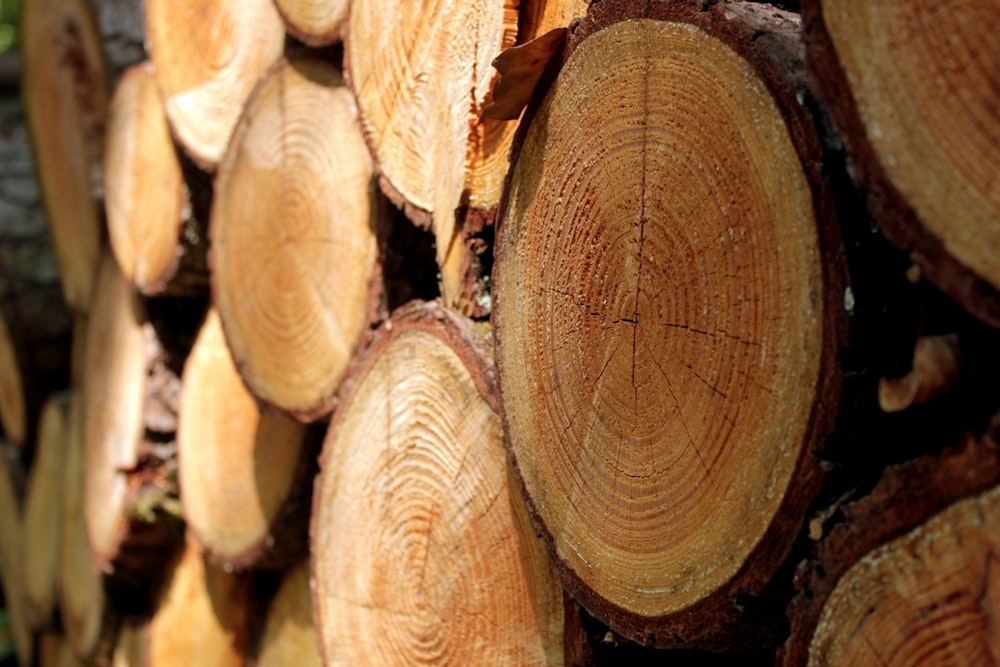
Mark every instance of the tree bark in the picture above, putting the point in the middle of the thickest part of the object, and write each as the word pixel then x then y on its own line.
pixel 246 475
pixel 916 553
pixel 419 552
pixel 668 298
pixel 293 235
pixel 208 57
pixel 919 117
pixel 422 79
pixel 66 98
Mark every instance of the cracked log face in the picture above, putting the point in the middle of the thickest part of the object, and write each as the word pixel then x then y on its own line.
pixel 659 311
pixel 293 238
pixel 419 553
pixel 929 597
pixel 421 72
pixel 914 90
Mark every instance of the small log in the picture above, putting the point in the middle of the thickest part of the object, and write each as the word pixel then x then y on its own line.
pixel 82 603
pixel 154 235
pixel 55 651
pixel 209 54
pixel 129 398
pixel 909 87
pixel 66 98
pixel 12 562
pixel 43 506
pixel 200 618
pixel 422 79
pixel 668 296
pixel 314 22
pixel 12 402
pixel 246 476
pixel 293 238
pixel 289 636
pixel 419 552
pixel 905 577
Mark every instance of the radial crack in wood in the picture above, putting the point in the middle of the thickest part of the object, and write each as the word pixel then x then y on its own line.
pixel 209 54
pixel 665 316
pixel 419 552
pixel 421 72
pixel 245 475
pixel 293 238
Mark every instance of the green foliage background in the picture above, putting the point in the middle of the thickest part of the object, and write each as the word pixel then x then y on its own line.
pixel 8 24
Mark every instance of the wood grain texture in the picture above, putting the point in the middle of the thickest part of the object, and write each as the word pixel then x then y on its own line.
pixel 419 553
pixel 293 238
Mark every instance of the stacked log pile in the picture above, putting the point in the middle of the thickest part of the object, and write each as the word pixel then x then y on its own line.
pixel 538 333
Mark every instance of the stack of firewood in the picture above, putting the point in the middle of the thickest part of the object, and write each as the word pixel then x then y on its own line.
pixel 503 333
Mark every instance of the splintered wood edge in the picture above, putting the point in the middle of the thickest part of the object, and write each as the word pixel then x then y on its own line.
pixel 895 216
pixel 716 620
pixel 212 396
pixel 470 342
pixel 319 402
pixel 906 496
pixel 145 195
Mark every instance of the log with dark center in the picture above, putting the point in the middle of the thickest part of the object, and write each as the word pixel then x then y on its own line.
pixel 915 92
pixel 666 291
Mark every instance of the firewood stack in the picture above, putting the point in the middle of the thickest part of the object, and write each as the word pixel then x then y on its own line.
pixel 502 333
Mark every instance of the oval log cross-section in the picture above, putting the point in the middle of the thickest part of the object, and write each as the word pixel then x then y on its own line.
pixel 419 555
pixel 663 317
pixel 915 90
pixel 293 241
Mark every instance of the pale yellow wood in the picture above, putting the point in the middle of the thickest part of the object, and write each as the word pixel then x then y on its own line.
pixel 289 636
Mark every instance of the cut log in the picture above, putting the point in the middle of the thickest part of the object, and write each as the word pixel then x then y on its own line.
pixel 200 618
pixel 246 476
pixel 129 418
pixel 913 90
pixel 208 55
pixel 929 523
pixel 422 77
pixel 43 507
pixel 12 563
pixel 537 17
pixel 55 651
pixel 35 332
pixel 66 97
pixel 419 552
pixel 81 590
pixel 289 636
pixel 314 22
pixel 666 293
pixel 153 233
pixel 293 238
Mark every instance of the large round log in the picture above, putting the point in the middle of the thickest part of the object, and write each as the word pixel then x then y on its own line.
pixel 666 299
pixel 293 238
pixel 913 89
pixel 419 552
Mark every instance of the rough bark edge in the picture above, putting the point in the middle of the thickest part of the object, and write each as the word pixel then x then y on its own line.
pixel 737 615
pixel 895 217
pixel 378 221
pixel 906 496
pixel 469 341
